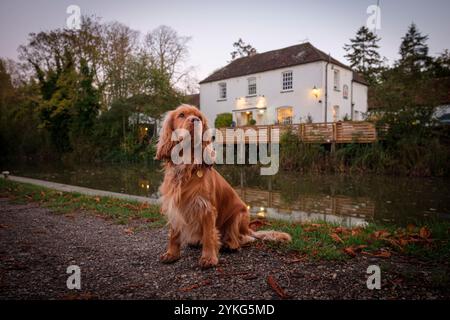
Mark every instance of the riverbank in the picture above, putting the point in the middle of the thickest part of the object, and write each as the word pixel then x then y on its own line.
pixel 117 243
pixel 317 240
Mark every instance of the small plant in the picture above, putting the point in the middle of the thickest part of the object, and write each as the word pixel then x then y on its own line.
pixel 223 120
pixel 252 122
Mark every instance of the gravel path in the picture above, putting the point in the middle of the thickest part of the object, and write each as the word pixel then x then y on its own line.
pixel 36 247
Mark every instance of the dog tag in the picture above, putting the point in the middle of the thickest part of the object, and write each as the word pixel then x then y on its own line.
pixel 199 173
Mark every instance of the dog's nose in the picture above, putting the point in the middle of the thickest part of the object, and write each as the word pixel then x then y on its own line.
pixel 194 119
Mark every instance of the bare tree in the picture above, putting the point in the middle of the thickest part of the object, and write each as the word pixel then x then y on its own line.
pixel 242 49
pixel 168 51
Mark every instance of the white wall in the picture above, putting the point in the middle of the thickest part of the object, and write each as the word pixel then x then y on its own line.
pixel 360 92
pixel 270 95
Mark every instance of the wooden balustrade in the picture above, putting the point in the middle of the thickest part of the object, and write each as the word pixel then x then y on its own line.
pixel 335 132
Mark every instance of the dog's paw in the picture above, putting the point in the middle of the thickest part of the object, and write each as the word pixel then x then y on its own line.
pixel 208 262
pixel 169 257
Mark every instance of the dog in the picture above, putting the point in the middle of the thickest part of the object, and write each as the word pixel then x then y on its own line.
pixel 200 205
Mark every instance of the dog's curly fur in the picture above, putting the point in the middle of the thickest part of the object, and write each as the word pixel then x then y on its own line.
pixel 201 208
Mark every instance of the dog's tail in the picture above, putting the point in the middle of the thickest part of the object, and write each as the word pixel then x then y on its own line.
pixel 271 235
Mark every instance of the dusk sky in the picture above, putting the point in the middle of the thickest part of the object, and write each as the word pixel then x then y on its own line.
pixel 215 25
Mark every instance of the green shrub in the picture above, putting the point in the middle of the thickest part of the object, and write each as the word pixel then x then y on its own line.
pixel 223 120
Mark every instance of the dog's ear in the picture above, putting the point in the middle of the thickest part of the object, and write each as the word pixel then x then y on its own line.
pixel 165 143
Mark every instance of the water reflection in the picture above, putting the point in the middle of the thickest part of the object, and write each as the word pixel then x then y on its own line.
pixel 346 200
pixel 335 209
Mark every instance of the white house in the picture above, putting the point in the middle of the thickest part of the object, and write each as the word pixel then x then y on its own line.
pixel 290 85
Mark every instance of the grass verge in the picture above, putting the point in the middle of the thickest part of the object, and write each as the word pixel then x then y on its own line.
pixel 333 242
pixel 121 211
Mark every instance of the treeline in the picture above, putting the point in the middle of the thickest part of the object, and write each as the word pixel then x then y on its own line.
pixel 96 93
pixel 404 97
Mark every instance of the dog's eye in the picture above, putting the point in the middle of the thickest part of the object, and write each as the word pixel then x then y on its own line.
pixel 181 115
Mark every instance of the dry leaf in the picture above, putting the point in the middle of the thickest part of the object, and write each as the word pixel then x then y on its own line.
pixel 336 238
pixel 129 230
pixel 410 228
pixel 350 251
pixel 341 230
pixel 381 234
pixel 257 223
pixel 424 233
pixel 383 254
pixel 276 287
pixel 97 199
pixel 195 286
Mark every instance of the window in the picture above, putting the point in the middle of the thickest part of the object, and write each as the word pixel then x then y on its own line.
pixel 337 80
pixel 287 80
pixel 222 90
pixel 252 86
pixel 345 91
pixel 284 115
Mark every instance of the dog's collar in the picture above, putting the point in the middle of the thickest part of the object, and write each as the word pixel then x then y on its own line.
pixel 199 173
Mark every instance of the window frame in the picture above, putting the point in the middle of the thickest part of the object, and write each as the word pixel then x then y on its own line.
pixel 251 84
pixel 285 80
pixel 337 79
pixel 222 86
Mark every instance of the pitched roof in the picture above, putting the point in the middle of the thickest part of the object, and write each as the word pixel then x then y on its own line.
pixel 271 60
pixel 358 77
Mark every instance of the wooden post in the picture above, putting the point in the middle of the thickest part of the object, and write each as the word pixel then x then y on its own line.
pixel 334 138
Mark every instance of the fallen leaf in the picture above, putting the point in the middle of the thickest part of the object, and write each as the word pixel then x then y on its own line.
pixel 276 287
pixel 336 238
pixel 195 286
pixel 383 254
pixel 350 251
pixel 381 234
pixel 410 228
pixel 129 230
pixel 257 223
pixel 97 199
pixel 340 230
pixel 424 233
pixel 250 277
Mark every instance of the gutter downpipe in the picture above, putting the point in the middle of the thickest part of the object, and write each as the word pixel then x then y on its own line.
pixel 326 88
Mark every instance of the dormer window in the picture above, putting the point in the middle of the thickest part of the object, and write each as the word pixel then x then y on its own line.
pixel 222 91
pixel 287 80
pixel 252 86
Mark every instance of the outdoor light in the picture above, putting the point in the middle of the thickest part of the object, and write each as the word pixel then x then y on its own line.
pixel 261 111
pixel 315 92
pixel 146 129
pixel 261 214
pixel 248 112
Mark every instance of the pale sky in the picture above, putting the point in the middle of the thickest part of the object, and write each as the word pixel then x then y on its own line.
pixel 215 25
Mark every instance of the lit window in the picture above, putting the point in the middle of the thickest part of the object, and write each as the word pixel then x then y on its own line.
pixel 287 80
pixel 284 115
pixel 337 80
pixel 251 86
pixel 222 90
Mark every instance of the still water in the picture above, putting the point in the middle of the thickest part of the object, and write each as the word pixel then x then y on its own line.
pixel 347 200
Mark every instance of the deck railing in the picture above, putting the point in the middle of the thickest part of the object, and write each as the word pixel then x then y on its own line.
pixel 332 132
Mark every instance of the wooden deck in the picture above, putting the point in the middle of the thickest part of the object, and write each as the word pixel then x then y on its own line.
pixel 335 132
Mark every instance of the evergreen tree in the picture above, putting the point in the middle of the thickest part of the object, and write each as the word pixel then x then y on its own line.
pixel 414 52
pixel 363 54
